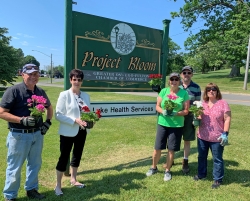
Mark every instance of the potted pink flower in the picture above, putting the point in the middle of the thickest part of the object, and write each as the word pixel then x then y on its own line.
pixel 169 104
pixel 37 106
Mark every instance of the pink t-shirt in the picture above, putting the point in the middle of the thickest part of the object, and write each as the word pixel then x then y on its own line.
pixel 212 122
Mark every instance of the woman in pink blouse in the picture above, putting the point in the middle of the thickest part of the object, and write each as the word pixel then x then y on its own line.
pixel 213 133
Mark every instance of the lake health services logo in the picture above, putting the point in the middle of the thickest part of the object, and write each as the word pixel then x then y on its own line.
pixel 123 39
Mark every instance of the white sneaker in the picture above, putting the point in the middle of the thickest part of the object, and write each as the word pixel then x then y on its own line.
pixel 167 176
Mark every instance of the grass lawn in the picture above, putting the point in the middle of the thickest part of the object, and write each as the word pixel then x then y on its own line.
pixel 118 152
pixel 226 84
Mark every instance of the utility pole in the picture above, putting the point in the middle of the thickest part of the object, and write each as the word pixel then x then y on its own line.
pixel 51 69
pixel 247 66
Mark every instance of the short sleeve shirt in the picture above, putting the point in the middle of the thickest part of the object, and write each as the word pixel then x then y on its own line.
pixel 15 100
pixel 194 92
pixel 212 122
pixel 173 121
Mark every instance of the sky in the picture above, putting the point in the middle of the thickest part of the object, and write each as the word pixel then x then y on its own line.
pixel 38 26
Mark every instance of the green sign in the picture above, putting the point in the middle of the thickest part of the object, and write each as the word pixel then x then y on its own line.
pixel 115 55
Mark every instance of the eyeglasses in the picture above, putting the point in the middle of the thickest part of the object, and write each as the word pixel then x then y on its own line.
pixel 79 80
pixel 211 88
pixel 184 73
pixel 174 79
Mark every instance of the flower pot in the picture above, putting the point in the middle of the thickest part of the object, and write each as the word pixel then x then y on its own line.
pixel 196 122
pixel 156 88
pixel 90 124
pixel 170 112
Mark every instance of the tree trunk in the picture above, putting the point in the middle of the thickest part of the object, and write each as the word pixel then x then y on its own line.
pixel 235 72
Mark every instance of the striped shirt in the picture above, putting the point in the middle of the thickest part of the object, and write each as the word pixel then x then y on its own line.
pixel 194 92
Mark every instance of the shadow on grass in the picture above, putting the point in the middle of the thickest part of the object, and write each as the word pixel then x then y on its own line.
pixel 106 186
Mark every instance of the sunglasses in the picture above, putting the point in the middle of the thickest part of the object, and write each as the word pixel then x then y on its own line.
pixel 184 73
pixel 211 88
pixel 31 68
pixel 79 80
pixel 174 79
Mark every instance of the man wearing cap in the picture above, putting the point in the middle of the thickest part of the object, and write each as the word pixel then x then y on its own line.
pixel 194 93
pixel 25 137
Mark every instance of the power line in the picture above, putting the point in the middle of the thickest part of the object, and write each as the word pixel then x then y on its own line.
pixel 186 31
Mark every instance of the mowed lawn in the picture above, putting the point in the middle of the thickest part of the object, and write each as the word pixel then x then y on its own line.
pixel 118 153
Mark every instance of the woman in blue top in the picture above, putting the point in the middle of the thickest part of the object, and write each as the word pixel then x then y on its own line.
pixel 169 130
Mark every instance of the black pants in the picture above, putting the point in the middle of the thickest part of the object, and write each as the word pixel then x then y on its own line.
pixel 66 144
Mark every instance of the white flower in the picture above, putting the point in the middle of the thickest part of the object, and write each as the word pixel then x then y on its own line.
pixel 197 103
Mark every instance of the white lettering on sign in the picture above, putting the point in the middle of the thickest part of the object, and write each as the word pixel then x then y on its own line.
pixel 114 109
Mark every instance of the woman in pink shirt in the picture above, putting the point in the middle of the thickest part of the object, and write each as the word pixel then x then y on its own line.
pixel 213 133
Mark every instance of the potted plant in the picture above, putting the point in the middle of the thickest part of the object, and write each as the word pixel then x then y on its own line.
pixel 155 82
pixel 90 117
pixel 37 106
pixel 197 110
pixel 169 104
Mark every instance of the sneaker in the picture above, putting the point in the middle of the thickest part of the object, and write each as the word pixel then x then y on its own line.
pixel 167 176
pixel 216 184
pixel 185 167
pixel 33 194
pixel 151 171
pixel 196 178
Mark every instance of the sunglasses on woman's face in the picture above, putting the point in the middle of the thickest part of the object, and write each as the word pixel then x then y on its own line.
pixel 79 80
pixel 184 73
pixel 174 79
pixel 211 88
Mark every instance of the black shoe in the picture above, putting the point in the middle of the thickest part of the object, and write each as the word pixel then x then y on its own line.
pixel 185 167
pixel 33 194
pixel 13 199
pixel 216 184
pixel 196 178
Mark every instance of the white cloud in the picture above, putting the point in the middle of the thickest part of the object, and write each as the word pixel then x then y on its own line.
pixel 15 38
pixel 28 36
pixel 54 49
pixel 25 35
pixel 25 43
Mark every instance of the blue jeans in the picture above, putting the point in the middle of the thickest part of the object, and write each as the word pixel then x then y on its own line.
pixel 218 163
pixel 22 146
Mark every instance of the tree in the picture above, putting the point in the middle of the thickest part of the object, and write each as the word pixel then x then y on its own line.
pixel 59 69
pixel 225 22
pixel 30 60
pixel 175 60
pixel 10 58
pixel 205 58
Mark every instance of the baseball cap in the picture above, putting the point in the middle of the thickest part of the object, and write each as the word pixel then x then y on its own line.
pixel 174 75
pixel 30 68
pixel 187 68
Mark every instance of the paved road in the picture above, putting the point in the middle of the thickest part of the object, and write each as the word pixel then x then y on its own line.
pixel 239 99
